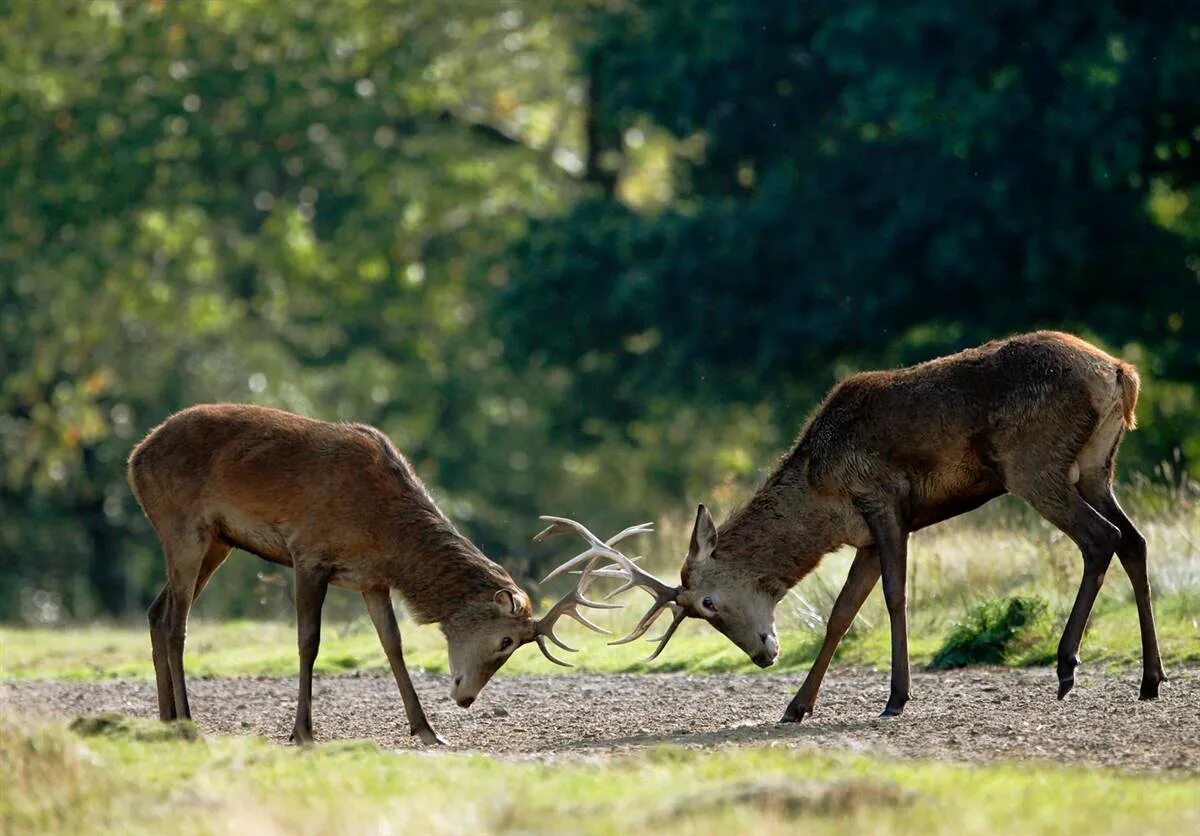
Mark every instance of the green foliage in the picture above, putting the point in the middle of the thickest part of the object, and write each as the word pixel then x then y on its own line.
pixel 281 202
pixel 593 259
pixel 994 632
pixel 873 184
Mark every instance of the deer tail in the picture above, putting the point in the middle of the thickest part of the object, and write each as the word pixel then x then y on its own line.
pixel 1129 382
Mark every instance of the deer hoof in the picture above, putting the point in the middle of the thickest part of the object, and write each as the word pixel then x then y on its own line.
pixel 1066 673
pixel 1150 685
pixel 895 707
pixel 302 737
pixel 795 715
pixel 429 737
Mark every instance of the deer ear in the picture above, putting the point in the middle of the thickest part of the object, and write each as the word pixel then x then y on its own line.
pixel 704 534
pixel 507 601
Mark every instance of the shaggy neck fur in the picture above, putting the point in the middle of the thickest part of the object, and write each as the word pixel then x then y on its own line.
pixel 785 529
pixel 443 572
pixel 449 574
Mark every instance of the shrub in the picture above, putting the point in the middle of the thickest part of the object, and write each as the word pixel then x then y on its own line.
pixel 994 632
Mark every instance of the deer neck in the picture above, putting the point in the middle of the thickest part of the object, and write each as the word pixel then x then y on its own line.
pixel 782 533
pixel 438 571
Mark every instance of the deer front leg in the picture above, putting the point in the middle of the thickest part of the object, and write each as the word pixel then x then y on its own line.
pixel 311 586
pixel 892 543
pixel 379 605
pixel 864 572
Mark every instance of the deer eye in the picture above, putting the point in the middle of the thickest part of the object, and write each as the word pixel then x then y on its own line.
pixel 505 643
pixel 707 603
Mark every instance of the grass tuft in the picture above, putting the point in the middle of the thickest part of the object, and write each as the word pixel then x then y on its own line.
pixel 114 724
pixel 997 631
pixel 782 798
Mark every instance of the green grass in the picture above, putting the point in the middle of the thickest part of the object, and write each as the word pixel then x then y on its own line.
pixel 123 781
pixel 245 648
pixel 1002 551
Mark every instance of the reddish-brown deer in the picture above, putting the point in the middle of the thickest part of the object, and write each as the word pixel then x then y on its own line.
pixel 338 504
pixel 1039 415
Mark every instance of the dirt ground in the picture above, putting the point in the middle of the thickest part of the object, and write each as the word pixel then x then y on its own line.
pixel 978 714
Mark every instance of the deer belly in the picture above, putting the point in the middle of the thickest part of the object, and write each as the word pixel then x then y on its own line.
pixel 255 536
pixel 952 497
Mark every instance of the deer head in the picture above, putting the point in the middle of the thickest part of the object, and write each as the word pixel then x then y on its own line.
pixel 736 602
pixel 483 636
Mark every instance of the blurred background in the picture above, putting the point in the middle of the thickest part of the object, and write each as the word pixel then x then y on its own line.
pixel 596 258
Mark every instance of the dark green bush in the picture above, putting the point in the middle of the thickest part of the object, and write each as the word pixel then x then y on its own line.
pixel 994 632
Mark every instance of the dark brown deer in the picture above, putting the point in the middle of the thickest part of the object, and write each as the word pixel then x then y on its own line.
pixel 338 504
pixel 1039 415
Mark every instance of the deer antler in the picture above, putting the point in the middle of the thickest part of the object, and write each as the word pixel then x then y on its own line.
pixel 568 605
pixel 664 594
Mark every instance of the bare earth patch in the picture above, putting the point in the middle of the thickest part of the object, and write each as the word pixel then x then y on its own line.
pixel 977 714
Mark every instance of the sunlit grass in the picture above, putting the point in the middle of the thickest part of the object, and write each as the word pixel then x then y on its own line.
pixel 268 648
pixel 58 782
pixel 1001 551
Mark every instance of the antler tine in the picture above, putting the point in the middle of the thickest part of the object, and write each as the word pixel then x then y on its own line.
pixel 640 528
pixel 645 624
pixel 541 643
pixel 569 606
pixel 638 577
pixel 597 547
pixel 680 614
pixel 664 594
pixel 574 561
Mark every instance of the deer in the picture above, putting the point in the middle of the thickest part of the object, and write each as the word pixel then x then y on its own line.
pixel 887 453
pixel 340 506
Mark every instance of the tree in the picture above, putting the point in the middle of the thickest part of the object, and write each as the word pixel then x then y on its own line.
pixel 876 184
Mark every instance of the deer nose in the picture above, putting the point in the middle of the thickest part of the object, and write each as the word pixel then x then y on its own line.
pixel 764 637
pixel 457 681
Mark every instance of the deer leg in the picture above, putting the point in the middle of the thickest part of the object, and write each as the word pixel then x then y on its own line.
pixel 864 573
pixel 1097 539
pixel 379 605
pixel 176 634
pixel 892 543
pixel 311 586
pixel 168 620
pixel 185 557
pixel 1132 552
pixel 157 616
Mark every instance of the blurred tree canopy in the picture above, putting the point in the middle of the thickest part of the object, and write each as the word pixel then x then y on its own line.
pixel 877 183
pixel 586 258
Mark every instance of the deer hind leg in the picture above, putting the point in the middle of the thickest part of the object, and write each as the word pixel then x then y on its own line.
pixel 1095 485
pixel 379 605
pixel 1049 489
pixel 159 627
pixel 157 616
pixel 188 551
pixel 311 585
pixel 892 543
pixel 863 575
